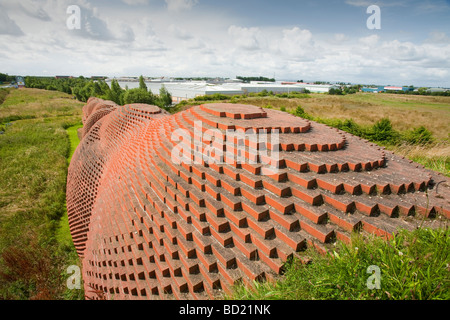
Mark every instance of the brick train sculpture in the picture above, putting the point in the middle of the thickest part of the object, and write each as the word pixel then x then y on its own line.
pixel 183 206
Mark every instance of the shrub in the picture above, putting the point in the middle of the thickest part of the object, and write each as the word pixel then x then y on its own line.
pixel 382 131
pixel 334 91
pixel 300 112
pixel 347 125
pixel 212 97
pixel 419 135
pixel 263 93
pixel 350 126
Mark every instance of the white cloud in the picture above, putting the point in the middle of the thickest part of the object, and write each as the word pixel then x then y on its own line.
pixel 125 33
pixel 179 5
pixel 403 51
pixel 136 2
pixel 246 38
pixel 438 37
pixel 180 33
pixel 199 44
pixel 340 38
pixel 28 7
pixel 146 39
pixel 8 26
pixel 298 44
pixel 370 41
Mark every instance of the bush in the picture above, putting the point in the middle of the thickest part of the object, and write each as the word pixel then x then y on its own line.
pixel 183 103
pixel 347 125
pixel 263 93
pixel 212 97
pixel 419 135
pixel 382 131
pixel 300 112
pixel 334 91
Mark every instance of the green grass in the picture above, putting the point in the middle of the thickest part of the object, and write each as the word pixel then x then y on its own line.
pixel 72 132
pixel 3 94
pixel 413 265
pixel 435 156
pixel 63 235
pixel 34 156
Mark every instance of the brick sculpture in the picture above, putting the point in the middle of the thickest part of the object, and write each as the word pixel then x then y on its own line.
pixel 147 226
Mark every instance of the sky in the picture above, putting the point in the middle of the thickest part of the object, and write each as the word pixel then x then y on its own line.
pixel 286 39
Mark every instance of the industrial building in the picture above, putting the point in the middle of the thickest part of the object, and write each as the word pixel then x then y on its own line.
pixel 188 90
pixel 386 88
pixel 287 87
pixel 184 90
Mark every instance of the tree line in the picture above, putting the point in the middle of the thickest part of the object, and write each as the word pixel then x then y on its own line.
pixel 4 77
pixel 248 79
pixel 83 88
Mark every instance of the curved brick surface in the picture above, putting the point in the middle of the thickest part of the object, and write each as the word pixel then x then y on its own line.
pixel 150 227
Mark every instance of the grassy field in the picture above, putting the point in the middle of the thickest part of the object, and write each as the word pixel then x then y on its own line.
pixel 34 149
pixel 73 138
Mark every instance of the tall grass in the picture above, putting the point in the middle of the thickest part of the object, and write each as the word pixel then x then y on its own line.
pixel 435 156
pixel 33 171
pixel 413 265
pixel 3 93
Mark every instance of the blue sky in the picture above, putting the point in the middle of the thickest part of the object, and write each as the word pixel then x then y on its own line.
pixel 291 39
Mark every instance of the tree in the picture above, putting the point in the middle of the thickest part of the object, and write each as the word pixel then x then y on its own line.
pixel 165 98
pixel 142 84
pixel 116 93
pixel 97 92
pixel 105 89
pixel 138 95
pixel 333 91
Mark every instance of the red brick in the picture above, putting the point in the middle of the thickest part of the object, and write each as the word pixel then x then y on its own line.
pixel 148 228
